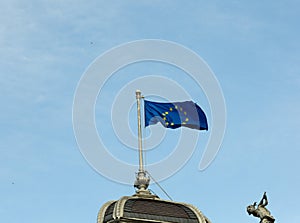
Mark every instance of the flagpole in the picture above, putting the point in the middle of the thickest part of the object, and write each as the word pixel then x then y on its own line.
pixel 142 180
pixel 138 98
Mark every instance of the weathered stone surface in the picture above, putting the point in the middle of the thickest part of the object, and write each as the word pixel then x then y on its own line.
pixel 261 211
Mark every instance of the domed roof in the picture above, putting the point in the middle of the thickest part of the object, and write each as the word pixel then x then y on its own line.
pixel 149 209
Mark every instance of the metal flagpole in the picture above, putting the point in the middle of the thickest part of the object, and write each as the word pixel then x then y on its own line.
pixel 142 180
pixel 138 98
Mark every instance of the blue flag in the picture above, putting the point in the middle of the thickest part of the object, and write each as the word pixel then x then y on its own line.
pixel 174 115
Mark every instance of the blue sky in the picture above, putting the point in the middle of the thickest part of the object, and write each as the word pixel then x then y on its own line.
pixel 253 49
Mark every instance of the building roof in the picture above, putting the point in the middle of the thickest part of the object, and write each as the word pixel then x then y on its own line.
pixel 149 209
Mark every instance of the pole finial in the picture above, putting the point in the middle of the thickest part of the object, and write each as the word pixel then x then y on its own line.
pixel 138 94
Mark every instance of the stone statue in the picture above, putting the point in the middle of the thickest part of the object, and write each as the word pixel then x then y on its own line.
pixel 261 211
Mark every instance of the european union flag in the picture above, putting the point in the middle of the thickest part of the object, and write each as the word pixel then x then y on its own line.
pixel 176 114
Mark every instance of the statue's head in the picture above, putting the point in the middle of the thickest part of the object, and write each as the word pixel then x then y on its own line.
pixel 251 208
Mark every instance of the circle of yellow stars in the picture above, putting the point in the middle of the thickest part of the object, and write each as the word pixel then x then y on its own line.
pixel 171 109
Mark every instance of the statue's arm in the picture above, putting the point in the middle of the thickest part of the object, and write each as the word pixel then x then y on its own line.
pixel 264 201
